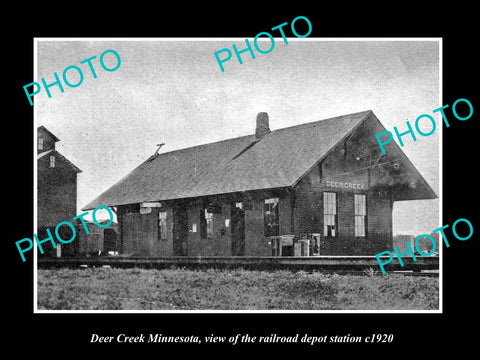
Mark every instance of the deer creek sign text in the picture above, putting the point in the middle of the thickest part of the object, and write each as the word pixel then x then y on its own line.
pixel 345 185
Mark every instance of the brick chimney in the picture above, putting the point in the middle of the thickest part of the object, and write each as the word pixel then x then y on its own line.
pixel 262 125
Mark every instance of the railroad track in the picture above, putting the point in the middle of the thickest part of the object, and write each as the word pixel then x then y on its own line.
pixel 426 266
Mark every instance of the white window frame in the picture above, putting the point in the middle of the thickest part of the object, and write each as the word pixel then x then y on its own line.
pixel 162 225
pixel 272 206
pixel 209 223
pixel 330 214
pixel 360 214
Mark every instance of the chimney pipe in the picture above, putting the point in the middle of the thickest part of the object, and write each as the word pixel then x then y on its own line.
pixel 158 149
pixel 262 125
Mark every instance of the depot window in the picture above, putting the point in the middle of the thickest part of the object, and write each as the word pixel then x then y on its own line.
pixel 330 214
pixel 360 206
pixel 209 223
pixel 52 161
pixel 40 143
pixel 206 222
pixel 271 218
pixel 162 225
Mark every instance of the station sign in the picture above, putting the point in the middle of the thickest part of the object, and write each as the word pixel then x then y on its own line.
pixel 344 185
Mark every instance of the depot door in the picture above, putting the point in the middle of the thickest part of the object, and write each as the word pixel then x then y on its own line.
pixel 180 231
pixel 109 240
pixel 238 229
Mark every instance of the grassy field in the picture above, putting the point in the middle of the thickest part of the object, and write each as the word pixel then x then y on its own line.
pixel 180 289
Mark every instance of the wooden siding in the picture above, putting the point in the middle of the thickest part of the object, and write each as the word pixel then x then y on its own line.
pixel 308 204
pixel 140 234
pixel 56 192
pixel 255 242
pixel 380 223
pixel 345 172
pixel 140 231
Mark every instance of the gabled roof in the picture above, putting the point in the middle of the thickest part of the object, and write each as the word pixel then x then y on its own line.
pixel 279 159
pixel 57 154
pixel 45 130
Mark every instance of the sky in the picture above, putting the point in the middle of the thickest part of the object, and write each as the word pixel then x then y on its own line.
pixel 172 91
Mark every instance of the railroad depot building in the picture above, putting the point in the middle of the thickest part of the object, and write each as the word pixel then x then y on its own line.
pixel 319 188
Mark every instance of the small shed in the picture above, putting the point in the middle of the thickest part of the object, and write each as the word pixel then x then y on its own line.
pixel 99 241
